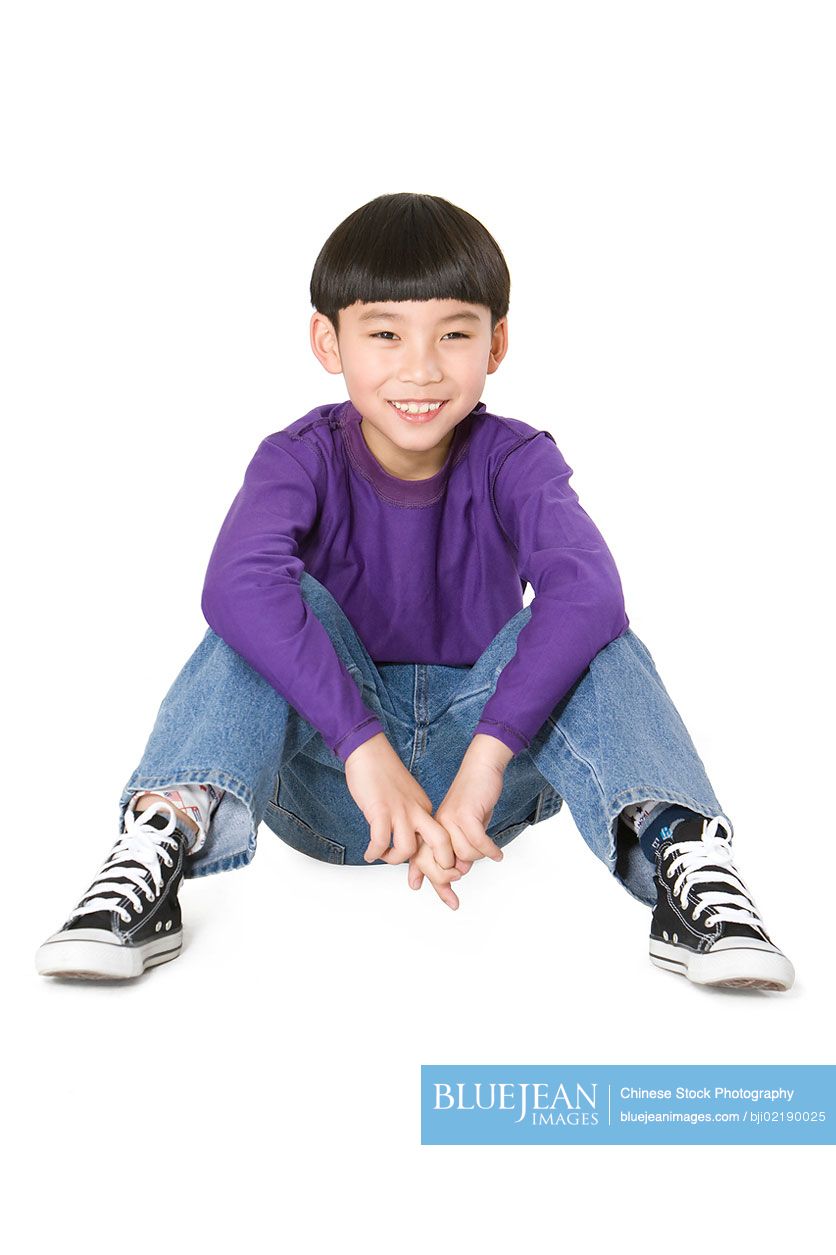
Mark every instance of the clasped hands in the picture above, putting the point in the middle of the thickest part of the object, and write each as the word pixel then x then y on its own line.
pixel 443 847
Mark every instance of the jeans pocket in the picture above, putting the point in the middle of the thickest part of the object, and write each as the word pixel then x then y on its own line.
pixel 507 834
pixel 296 832
pixel 513 829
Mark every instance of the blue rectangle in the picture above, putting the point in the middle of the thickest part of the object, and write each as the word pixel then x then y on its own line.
pixel 611 1104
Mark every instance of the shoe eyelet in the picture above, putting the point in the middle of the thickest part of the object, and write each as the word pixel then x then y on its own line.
pixel 675 939
pixel 167 925
pixel 669 873
pixel 694 914
pixel 159 926
pixel 665 935
pixel 137 910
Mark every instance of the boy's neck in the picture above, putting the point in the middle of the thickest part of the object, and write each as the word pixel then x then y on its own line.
pixel 400 462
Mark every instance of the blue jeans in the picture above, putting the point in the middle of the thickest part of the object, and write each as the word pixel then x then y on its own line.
pixel 614 739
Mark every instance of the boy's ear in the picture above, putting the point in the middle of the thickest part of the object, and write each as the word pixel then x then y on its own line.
pixel 499 345
pixel 324 343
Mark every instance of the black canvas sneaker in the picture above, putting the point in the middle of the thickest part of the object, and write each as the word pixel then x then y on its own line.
pixel 129 919
pixel 705 924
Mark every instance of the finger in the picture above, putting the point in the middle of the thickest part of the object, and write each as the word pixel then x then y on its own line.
pixel 426 861
pixel 448 897
pixel 438 839
pixel 463 865
pixel 397 854
pixel 463 848
pixel 380 829
pixel 405 842
pixel 427 865
pixel 479 839
pixel 440 876
pixel 415 877
pixel 394 856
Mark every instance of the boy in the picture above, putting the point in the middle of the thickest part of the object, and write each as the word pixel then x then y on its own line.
pixel 370 684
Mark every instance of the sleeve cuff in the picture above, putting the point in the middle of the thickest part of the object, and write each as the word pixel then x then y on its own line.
pixel 509 736
pixel 357 736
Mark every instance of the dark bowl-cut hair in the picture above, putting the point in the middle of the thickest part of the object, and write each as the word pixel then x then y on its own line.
pixel 407 246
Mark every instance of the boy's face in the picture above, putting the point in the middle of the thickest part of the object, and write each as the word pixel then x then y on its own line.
pixel 414 351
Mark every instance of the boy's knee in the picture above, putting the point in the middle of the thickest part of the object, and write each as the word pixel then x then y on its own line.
pixel 311 587
pixel 318 598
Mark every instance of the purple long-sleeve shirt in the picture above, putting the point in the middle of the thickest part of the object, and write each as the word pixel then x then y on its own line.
pixel 425 570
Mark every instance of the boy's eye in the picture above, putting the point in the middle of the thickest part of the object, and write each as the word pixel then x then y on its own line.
pixel 375 334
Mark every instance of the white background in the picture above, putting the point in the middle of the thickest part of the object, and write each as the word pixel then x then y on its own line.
pixel 660 178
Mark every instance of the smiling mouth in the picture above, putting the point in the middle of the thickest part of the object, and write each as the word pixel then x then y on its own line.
pixel 416 409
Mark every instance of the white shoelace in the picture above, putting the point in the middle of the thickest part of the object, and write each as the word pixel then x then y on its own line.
pixel 691 861
pixel 141 843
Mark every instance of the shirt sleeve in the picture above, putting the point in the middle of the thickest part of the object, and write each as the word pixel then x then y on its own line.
pixel 578 605
pixel 252 598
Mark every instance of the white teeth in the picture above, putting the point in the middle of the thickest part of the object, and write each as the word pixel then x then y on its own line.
pixel 426 408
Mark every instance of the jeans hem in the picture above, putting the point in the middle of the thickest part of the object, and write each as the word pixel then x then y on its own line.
pixel 646 792
pixel 638 885
pixel 193 871
pixel 199 864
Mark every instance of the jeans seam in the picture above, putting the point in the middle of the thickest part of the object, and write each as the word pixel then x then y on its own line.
pixel 190 775
pixel 606 823
pixel 420 711
pixel 579 757
pixel 654 792
pixel 229 862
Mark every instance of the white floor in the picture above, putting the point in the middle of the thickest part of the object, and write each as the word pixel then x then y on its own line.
pixel 263 1088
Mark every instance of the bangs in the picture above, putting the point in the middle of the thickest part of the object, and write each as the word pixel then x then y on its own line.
pixel 410 247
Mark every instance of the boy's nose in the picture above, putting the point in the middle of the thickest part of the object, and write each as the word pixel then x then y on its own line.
pixel 421 371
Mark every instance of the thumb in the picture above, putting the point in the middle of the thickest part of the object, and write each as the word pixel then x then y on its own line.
pixel 415 877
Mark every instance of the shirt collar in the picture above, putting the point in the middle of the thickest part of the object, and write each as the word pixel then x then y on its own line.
pixel 416 492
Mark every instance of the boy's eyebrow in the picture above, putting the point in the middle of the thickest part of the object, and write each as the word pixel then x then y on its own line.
pixel 384 313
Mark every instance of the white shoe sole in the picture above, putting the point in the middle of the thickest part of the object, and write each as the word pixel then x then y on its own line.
pixel 95 954
pixel 738 968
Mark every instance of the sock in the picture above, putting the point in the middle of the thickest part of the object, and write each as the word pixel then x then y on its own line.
pixel 198 801
pixel 634 816
pixel 655 822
